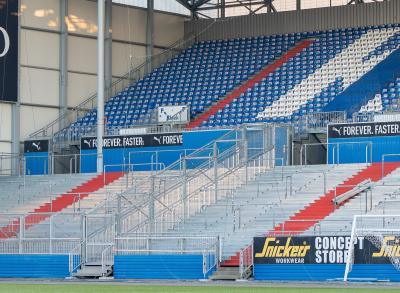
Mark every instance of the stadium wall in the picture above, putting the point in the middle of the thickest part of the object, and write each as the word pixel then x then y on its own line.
pixel 143 157
pixel 34 266
pixel 40 56
pixel 368 14
pixel 162 266
pixel 371 142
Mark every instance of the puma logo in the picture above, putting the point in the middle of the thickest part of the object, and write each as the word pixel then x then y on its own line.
pixel 157 139
pixel 36 145
pixel 339 131
pixel 86 142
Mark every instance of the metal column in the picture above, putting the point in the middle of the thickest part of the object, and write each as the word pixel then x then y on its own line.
pixel 298 4
pixel 15 115
pixel 15 138
pixel 63 63
pixel 108 48
pixel 100 84
pixel 150 34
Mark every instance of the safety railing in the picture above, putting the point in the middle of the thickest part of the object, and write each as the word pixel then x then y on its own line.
pixel 363 117
pixel 317 122
pixel 388 206
pixel 107 259
pixel 334 149
pixel 159 197
pixel 46 229
pixel 203 188
pixel 246 261
pixel 207 246
pixel 384 161
pixel 75 258
pixel 50 164
pixel 23 245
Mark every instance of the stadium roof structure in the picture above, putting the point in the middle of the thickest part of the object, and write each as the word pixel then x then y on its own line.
pixel 226 8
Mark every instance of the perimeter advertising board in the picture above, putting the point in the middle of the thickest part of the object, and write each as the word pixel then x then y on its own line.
pixel 322 250
pixel 9 50
pixel 134 141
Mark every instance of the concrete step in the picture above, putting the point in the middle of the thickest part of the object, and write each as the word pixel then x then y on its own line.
pixel 226 274
pixel 92 271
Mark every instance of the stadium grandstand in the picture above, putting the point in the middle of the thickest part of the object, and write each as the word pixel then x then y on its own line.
pixel 200 140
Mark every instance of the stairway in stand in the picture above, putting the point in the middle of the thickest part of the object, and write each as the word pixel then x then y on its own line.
pixel 323 206
pixel 61 202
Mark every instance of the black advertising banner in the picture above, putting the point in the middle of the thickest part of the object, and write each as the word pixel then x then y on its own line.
pixel 363 129
pixel 9 50
pixel 322 250
pixel 36 146
pixel 134 141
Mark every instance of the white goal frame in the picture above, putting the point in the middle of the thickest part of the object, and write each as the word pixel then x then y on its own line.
pixel 361 231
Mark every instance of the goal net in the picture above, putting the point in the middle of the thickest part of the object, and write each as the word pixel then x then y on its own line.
pixel 382 232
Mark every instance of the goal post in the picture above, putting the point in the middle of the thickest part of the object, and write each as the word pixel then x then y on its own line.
pixel 382 231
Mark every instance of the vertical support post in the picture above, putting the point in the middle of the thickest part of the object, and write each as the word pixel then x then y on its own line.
pixel 298 5
pixel 100 84
pixel 21 234
pixel 305 155
pixel 222 8
pixel 63 63
pixel 245 153
pixel 118 216
pixel 151 206
pixel 215 161
pixel 15 113
pixel 108 49
pixel 51 234
pixel 184 190
pixel 269 6
pixel 15 138
pixel 150 35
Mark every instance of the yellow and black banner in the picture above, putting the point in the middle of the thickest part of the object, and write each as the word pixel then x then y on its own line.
pixel 323 250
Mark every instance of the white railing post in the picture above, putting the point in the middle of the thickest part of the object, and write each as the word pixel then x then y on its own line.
pixel 21 234
pixel 184 190
pixel 215 159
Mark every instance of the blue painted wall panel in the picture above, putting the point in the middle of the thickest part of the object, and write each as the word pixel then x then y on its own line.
pixel 281 145
pixel 34 266
pixel 158 267
pixel 167 155
pixel 37 163
pixel 354 151
pixel 311 272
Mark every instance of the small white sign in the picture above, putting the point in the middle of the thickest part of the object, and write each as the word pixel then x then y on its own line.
pixel 133 131
pixel 173 114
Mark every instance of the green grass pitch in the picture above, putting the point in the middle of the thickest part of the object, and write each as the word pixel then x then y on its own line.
pixel 107 288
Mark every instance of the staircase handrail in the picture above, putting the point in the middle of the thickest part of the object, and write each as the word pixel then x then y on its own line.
pixel 246 261
pixel 143 204
pixel 207 184
pixel 75 258
pixel 172 167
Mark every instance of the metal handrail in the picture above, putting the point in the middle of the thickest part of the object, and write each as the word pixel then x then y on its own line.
pixel 106 255
pixel 178 202
pixel 369 145
pixel 383 162
pixel 73 256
